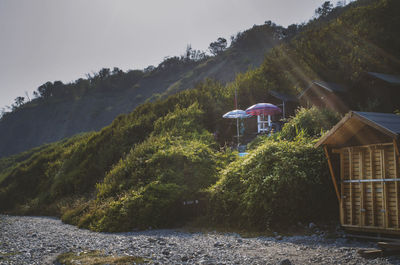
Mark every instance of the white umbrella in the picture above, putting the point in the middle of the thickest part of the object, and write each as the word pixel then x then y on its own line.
pixel 236 114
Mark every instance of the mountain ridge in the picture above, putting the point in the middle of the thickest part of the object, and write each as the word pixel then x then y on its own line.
pixel 62 110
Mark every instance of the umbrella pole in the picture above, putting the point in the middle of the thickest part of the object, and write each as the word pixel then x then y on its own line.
pixel 237 119
pixel 237 128
pixel 236 103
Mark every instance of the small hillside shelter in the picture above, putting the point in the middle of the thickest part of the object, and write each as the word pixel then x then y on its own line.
pixel 325 95
pixel 363 157
pixel 288 102
pixel 382 88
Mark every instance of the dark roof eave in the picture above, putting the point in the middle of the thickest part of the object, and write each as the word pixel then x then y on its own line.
pixel 338 90
pixel 283 97
pixel 367 121
pixel 392 79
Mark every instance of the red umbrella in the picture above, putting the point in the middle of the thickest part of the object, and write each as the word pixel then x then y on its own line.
pixel 263 108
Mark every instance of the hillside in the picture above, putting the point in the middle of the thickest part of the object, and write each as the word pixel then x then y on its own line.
pixel 137 171
pixel 62 110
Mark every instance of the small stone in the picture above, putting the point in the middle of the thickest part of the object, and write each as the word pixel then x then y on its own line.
pixel 278 237
pixel 165 252
pixel 218 244
pixel 151 240
pixel 239 240
pixel 184 258
pixel 206 262
pixel 285 262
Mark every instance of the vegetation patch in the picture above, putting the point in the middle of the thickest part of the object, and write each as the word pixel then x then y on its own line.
pixel 5 256
pixel 279 183
pixel 98 258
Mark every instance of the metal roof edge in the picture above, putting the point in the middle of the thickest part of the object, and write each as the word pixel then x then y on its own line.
pixel 322 85
pixel 288 97
pixel 389 78
pixel 376 125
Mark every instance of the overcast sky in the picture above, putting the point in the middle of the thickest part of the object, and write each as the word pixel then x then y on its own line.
pixel 48 40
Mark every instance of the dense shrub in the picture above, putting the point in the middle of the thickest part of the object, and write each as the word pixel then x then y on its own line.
pixel 310 122
pixel 178 151
pixel 280 182
pixel 181 121
pixel 155 205
pixel 185 162
pixel 26 184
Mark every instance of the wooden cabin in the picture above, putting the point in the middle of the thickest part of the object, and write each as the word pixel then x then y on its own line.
pixel 363 157
pixel 325 95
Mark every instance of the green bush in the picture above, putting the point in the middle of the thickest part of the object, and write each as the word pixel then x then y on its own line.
pixel 181 121
pixel 279 183
pixel 26 185
pixel 310 122
pixel 178 151
pixel 156 205
pixel 184 162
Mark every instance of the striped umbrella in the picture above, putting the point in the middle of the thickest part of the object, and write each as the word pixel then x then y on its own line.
pixel 263 109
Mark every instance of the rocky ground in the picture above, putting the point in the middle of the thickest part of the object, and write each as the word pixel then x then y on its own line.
pixel 38 240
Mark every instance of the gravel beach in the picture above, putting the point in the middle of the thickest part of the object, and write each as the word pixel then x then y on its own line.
pixel 38 240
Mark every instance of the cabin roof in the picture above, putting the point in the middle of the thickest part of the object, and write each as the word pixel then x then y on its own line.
pixel 331 87
pixel 282 96
pixel 387 121
pixel 354 121
pixel 392 79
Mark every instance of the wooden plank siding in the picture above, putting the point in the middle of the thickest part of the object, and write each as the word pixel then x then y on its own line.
pixel 369 188
pixel 369 150
pixel 396 170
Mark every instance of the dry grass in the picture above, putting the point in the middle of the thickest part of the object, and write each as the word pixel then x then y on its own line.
pixel 97 258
